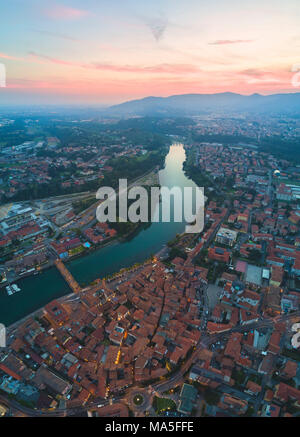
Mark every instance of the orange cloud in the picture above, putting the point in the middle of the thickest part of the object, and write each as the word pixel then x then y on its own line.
pixel 221 42
pixel 82 90
pixel 160 68
pixel 255 76
pixel 37 56
pixel 61 12
pixel 11 58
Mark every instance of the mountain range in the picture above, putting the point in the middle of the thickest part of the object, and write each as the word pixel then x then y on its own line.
pixel 193 104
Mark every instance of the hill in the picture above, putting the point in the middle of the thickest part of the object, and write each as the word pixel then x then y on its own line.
pixel 193 104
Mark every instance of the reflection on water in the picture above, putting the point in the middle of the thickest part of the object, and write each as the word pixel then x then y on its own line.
pixel 39 290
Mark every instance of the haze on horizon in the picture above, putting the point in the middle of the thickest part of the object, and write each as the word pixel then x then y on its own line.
pixel 106 52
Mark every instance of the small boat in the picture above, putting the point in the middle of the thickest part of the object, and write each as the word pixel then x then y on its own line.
pixel 15 288
pixel 9 290
pixel 12 289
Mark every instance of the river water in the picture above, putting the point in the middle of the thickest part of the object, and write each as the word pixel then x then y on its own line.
pixel 40 289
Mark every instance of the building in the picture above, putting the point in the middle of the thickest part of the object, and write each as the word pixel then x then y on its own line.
pixel 44 378
pixel 233 404
pixel 270 410
pixel 284 193
pixel 219 254
pixel 290 302
pixel 226 236
pixel 252 388
pixel 284 393
pixel 261 338
pixel 276 276
pixel 13 216
pixel 253 275
pixel 272 300
pixel 188 396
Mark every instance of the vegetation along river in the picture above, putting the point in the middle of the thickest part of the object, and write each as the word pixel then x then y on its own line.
pixel 38 290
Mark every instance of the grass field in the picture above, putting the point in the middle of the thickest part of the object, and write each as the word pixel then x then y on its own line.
pixel 163 404
pixel 76 250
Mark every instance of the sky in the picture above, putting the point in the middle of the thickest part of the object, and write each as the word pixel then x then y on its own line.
pixel 110 51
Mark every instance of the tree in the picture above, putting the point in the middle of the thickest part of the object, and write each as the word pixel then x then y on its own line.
pixel 211 397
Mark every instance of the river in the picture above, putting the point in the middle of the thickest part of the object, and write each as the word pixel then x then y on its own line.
pixel 38 290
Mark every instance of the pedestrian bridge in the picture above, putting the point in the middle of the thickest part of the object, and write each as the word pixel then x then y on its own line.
pixel 73 284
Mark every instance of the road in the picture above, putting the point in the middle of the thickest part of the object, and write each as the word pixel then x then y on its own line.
pixel 162 386
pixel 208 339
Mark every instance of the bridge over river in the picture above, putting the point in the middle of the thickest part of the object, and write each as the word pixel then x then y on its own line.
pixel 37 291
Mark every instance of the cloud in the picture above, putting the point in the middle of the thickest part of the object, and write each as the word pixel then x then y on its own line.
pixel 271 80
pixel 61 12
pixel 258 76
pixel 56 35
pixel 253 72
pixel 38 56
pixel 9 57
pixel 159 68
pixel 221 42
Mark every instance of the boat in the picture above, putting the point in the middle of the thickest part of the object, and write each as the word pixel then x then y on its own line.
pixel 12 289
pixel 15 288
pixel 27 271
pixel 9 290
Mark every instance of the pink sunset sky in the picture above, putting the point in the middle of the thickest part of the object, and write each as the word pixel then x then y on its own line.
pixel 105 52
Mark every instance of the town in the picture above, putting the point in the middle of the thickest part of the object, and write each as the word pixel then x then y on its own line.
pixel 203 328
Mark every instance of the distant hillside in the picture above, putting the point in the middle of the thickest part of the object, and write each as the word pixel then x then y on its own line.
pixel 192 104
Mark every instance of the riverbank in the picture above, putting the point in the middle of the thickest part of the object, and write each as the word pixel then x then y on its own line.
pixel 148 179
pixel 116 279
pixel 48 285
